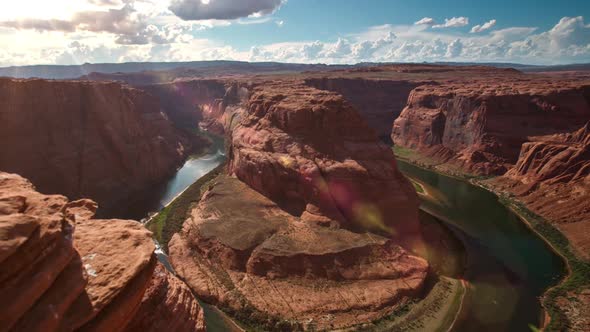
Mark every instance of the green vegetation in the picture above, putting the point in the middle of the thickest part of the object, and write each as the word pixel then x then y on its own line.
pixel 415 158
pixel 170 219
pixel 579 277
pixel 418 187
pixel 403 153
pixel 579 270
pixel 436 312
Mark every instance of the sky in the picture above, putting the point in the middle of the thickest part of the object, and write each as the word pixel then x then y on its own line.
pixel 303 31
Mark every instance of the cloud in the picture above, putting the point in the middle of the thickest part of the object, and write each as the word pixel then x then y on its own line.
pixel 425 21
pixel 280 23
pixel 454 22
pixel 129 26
pixel 144 37
pixel 222 9
pixel 454 49
pixel 486 26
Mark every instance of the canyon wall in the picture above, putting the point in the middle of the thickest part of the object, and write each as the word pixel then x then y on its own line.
pixel 379 102
pixel 61 270
pixel 307 180
pixel 479 127
pixel 189 103
pixel 552 177
pixel 86 139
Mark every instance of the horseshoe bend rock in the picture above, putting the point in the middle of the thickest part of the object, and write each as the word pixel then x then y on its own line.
pixel 241 251
pixel 62 270
pixel 309 151
pixel 284 237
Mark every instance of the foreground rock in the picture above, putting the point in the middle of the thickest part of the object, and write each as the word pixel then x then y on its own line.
pixel 284 241
pixel 63 270
pixel 86 139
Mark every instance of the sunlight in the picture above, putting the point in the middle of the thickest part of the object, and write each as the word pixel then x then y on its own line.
pixel 42 9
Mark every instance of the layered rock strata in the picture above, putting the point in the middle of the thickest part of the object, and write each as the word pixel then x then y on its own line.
pixel 480 127
pixel 552 177
pixel 64 271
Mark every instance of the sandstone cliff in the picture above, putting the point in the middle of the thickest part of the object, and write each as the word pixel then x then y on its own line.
pixel 86 139
pixel 310 178
pixel 62 270
pixel 480 126
pixel 552 177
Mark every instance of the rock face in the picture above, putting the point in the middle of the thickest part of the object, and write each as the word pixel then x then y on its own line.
pixel 379 102
pixel 86 139
pixel 311 153
pixel 309 179
pixel 198 102
pixel 480 127
pixel 552 177
pixel 63 270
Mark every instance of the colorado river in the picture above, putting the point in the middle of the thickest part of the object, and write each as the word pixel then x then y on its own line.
pixel 193 169
pixel 508 267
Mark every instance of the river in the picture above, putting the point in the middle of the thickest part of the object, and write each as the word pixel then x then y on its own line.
pixel 508 266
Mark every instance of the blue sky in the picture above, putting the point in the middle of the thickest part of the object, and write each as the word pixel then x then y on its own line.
pixel 327 31
pixel 330 19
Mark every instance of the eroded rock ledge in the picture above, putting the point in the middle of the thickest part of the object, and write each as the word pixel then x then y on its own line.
pixel 285 234
pixel 63 270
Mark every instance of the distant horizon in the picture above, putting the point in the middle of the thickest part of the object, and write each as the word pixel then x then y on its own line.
pixel 73 32
pixel 308 63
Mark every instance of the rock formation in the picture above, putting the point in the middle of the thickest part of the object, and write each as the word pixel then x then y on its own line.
pixel 480 126
pixel 552 177
pixel 309 179
pixel 62 270
pixel 86 139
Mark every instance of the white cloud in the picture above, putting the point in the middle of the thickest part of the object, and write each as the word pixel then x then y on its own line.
pixel 425 21
pixel 222 9
pixel 454 49
pixel 486 26
pixel 454 22
pixel 280 23
pixel 155 34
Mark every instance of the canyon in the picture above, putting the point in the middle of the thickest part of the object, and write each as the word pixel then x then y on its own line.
pixel 310 225
pixel 309 179
pixel 99 140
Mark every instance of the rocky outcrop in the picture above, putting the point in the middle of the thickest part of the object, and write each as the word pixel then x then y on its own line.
pixel 311 153
pixel 479 127
pixel 86 139
pixel 552 177
pixel 167 305
pixel 308 181
pixel 379 102
pixel 63 270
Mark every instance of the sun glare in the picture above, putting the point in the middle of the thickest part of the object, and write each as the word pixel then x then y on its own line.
pixel 42 9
